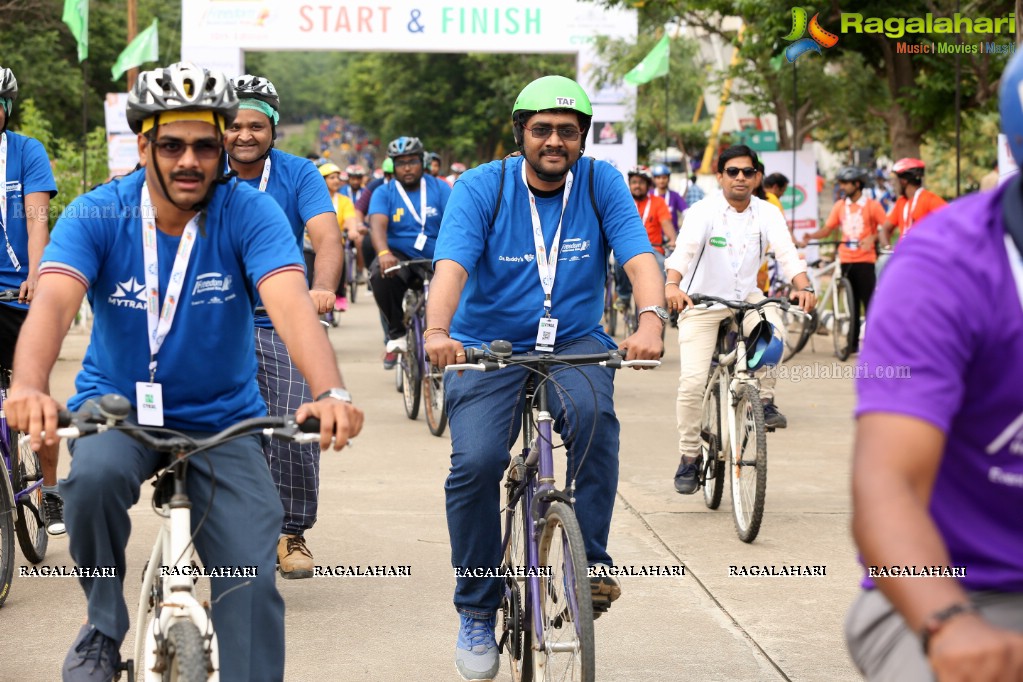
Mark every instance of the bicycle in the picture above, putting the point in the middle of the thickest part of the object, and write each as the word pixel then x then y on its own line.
pixel 610 311
pixel 177 642
pixel 351 266
pixel 549 602
pixel 739 440
pixel 799 326
pixel 21 492
pixel 415 376
pixel 837 319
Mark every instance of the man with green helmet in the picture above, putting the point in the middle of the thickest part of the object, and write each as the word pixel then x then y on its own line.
pixel 485 288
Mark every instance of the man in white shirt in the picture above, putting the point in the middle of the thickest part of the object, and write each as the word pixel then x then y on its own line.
pixel 718 252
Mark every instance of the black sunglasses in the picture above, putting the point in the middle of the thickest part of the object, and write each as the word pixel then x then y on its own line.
pixel 733 171
pixel 203 149
pixel 566 133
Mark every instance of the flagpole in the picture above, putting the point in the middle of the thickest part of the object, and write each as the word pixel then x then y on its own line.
pixel 85 126
pixel 133 30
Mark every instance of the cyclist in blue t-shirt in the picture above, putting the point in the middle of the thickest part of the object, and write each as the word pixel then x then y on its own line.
pixel 404 218
pixel 299 189
pixel 25 193
pixel 487 286
pixel 206 248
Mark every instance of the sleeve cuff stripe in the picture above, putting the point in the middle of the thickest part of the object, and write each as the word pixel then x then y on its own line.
pixel 61 269
pixel 286 268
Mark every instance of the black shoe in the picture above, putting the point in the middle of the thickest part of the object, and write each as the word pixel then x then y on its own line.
pixel 53 514
pixel 687 477
pixel 773 419
pixel 93 657
pixel 604 589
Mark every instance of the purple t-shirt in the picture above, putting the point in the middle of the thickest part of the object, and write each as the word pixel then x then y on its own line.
pixel 676 203
pixel 948 309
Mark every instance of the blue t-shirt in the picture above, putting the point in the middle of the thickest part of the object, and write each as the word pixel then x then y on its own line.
pixel 402 228
pixel 503 298
pixel 207 364
pixel 300 191
pixel 28 171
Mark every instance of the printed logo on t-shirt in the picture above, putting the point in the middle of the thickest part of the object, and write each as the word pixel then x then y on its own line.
pixel 575 249
pixel 212 288
pixel 129 294
pixel 13 187
pixel 527 258
pixel 1011 436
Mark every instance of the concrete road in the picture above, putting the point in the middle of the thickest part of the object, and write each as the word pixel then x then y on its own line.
pixel 382 503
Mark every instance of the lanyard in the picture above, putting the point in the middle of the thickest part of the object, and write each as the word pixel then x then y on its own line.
pixel 646 210
pixel 737 257
pixel 3 199
pixel 546 266
pixel 266 175
pixel 159 323
pixel 907 209
pixel 847 225
pixel 421 216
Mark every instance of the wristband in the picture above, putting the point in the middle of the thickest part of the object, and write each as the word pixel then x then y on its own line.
pixel 668 284
pixel 435 330
pixel 383 253
pixel 938 620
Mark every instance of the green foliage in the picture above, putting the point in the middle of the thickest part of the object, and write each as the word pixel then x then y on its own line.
pixel 302 143
pixel 978 153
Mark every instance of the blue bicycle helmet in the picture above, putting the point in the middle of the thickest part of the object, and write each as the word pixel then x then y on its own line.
pixel 659 170
pixel 1011 106
pixel 764 347
pixel 405 145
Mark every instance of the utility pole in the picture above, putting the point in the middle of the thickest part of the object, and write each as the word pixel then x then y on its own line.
pixel 133 73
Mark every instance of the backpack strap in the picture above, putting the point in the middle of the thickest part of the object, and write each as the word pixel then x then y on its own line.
pixel 500 194
pixel 593 196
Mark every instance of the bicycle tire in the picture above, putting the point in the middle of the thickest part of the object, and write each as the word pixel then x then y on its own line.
pixel 412 387
pixel 516 617
pixel 6 536
pixel 568 573
pixel 610 313
pixel 186 656
pixel 433 392
pixel 713 455
pixel 28 524
pixel 843 329
pixel 749 473
pixel 351 276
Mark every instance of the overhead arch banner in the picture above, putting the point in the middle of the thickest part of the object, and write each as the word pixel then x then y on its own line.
pixel 217 33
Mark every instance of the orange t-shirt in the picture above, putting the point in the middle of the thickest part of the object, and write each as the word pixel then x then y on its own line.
pixel 859 219
pixel 905 214
pixel 654 212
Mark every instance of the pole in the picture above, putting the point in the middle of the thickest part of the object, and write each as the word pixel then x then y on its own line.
pixel 667 135
pixel 85 126
pixel 133 29
pixel 795 135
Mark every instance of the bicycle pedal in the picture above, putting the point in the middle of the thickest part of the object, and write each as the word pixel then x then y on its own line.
pixel 771 429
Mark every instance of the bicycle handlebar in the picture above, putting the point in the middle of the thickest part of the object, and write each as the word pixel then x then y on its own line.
pixel 112 409
pixel 9 295
pixel 701 299
pixel 409 263
pixel 486 360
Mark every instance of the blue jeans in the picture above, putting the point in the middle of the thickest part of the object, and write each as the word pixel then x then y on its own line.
pixel 244 522
pixel 485 413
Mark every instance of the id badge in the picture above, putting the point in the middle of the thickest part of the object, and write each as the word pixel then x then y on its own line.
pixel 420 242
pixel 149 402
pixel 14 258
pixel 546 334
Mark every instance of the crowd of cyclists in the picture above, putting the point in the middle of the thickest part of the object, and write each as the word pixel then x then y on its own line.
pixel 268 230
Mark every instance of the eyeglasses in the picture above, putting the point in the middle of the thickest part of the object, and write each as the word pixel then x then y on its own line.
pixel 205 150
pixel 407 163
pixel 566 133
pixel 748 172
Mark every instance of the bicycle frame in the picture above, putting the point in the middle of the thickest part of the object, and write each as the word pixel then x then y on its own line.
pixel 8 449
pixel 728 375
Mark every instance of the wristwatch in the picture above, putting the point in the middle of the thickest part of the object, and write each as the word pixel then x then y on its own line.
pixel 337 394
pixel 809 289
pixel 656 309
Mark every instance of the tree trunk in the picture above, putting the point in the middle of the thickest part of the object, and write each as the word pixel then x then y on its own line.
pixel 903 133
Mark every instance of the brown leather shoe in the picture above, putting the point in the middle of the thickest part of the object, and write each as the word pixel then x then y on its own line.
pixel 294 560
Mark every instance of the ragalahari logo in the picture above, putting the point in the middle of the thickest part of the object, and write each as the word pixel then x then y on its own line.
pixel 818 36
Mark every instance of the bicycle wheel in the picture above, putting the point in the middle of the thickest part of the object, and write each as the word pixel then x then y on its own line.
pixel 843 329
pixel 351 277
pixel 433 390
pixel 186 659
pixel 29 524
pixel 567 612
pixel 411 386
pixel 713 455
pixel 749 471
pixel 515 615
pixel 6 535
pixel 610 313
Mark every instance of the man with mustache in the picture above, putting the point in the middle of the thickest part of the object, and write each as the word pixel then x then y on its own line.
pixel 721 246
pixel 299 189
pixel 404 218
pixel 173 259
pixel 550 199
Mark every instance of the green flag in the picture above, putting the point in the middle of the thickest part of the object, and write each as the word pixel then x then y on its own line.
pixel 145 48
pixel 76 16
pixel 654 65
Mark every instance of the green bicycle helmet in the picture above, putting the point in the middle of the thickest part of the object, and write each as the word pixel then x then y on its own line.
pixel 551 93
pixel 388 165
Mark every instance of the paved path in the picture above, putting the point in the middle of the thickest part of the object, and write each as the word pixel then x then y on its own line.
pixel 382 503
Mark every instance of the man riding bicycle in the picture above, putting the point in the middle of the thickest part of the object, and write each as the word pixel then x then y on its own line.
pixel 404 218
pixel 721 247
pixel 300 191
pixel 914 201
pixel 485 287
pixel 661 177
pixel 657 222
pixel 173 258
pixel 26 187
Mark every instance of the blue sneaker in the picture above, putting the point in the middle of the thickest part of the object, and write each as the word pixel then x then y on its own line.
pixel 476 651
pixel 93 657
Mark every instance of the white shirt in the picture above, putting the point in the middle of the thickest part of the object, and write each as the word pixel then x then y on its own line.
pixel 719 250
